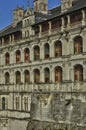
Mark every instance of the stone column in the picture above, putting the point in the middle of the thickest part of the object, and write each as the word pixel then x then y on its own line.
pixel 71 46
pixel 10 101
pixel 32 76
pixel 42 75
pixel 2 59
pixel 84 72
pixel 42 52
pixel 31 54
pixel 12 37
pixel 21 102
pixel 2 41
pixel 40 30
pixel 12 77
pixel 63 46
pixel 14 57
pixel 1 75
pixel 51 50
pixel 84 40
pixel 22 55
pixel 52 75
pixel 72 73
pixel 63 24
pixel 83 17
pixel 66 71
pixel 68 25
pixel 11 57
pixel 49 27
pixel 22 76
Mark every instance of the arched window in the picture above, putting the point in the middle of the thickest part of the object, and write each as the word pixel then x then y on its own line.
pixel 46 51
pixel 78 73
pixel 36 76
pixel 26 76
pixel 58 49
pixel 58 74
pixel 7 58
pixel 7 78
pixel 47 75
pixel 36 53
pixel 26 55
pixel 3 103
pixel 18 77
pixel 18 56
pixel 78 45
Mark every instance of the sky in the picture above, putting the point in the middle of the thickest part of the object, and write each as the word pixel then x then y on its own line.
pixel 7 6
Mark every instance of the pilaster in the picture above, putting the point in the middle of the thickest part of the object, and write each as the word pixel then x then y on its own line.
pixel 49 27
pixel 42 52
pixel 31 54
pixel 51 50
pixel 63 24
pixel 83 17
pixel 68 19
pixel 40 30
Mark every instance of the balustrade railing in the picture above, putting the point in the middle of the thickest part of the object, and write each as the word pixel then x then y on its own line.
pixel 45 87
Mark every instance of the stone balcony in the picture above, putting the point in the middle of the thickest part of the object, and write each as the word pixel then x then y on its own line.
pixel 75 25
pixel 14 114
pixel 45 87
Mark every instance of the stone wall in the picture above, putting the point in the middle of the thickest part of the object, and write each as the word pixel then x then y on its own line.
pixel 66 111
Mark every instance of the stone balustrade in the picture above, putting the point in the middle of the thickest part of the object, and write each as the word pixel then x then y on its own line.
pixel 43 87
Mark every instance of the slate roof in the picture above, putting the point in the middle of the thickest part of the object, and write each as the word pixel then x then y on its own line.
pixel 77 5
pixel 56 12
pixel 39 17
pixel 10 29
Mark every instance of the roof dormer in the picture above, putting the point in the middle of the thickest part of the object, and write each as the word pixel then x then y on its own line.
pixel 41 6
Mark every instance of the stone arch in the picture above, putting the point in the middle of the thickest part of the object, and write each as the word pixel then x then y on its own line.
pixel 78 72
pixel 46 75
pixel 78 44
pixel 36 75
pixel 26 55
pixel 58 74
pixel 7 78
pixel 57 48
pixel 18 56
pixel 26 76
pixel 36 52
pixel 7 58
pixel 18 77
pixel 46 50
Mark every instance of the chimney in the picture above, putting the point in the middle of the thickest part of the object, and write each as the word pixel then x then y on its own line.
pixel 65 5
pixel 17 15
pixel 41 6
